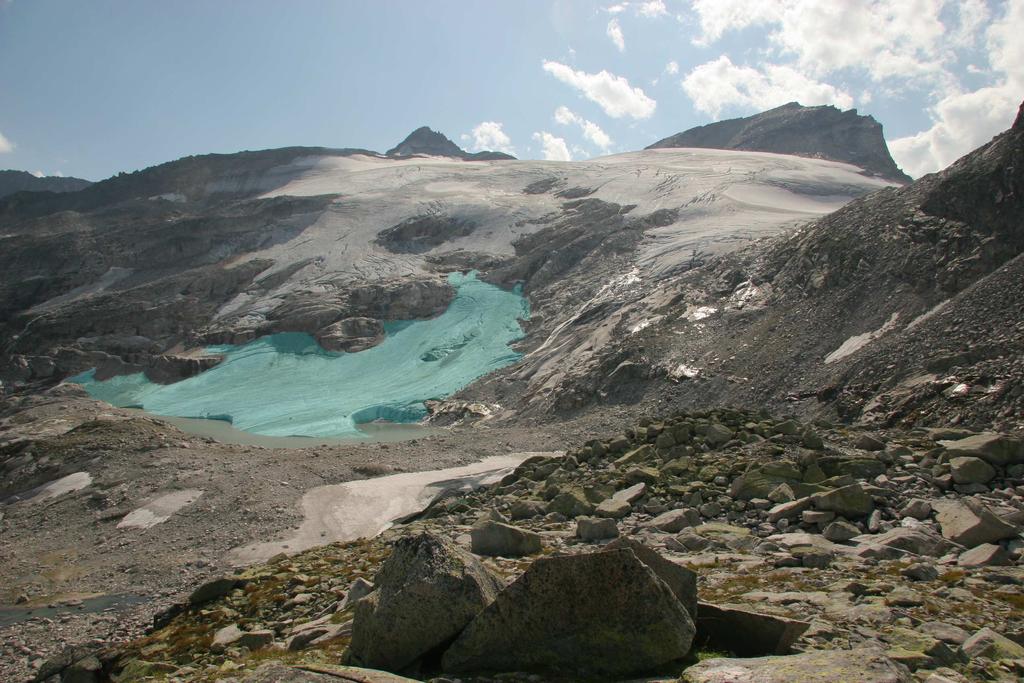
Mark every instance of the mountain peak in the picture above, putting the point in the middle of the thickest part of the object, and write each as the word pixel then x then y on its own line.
pixel 823 132
pixel 22 181
pixel 425 140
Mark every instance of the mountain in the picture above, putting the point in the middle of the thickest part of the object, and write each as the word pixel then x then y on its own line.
pixel 822 132
pixel 429 142
pixel 22 181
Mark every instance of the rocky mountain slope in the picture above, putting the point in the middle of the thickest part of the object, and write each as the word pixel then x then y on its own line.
pixel 136 272
pixel 23 181
pixel 822 132
pixel 901 307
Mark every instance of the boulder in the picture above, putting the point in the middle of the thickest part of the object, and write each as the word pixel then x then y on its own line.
pixel 680 580
pixel 359 589
pixel 869 442
pixel 995 449
pixel 758 483
pixel 917 509
pixel 744 632
pixel 502 540
pixel 970 470
pixel 993 645
pixel 226 637
pixel 596 528
pixel 969 523
pixel 426 593
pixel 211 590
pixel 526 509
pixel 256 640
pixel 900 541
pixel 846 501
pixel 351 335
pixel 717 434
pixel 675 521
pixel 984 555
pixel 571 503
pixel 613 509
pixel 790 510
pixel 636 456
pixel 631 494
pixel 824 666
pixel 840 531
pixel 602 614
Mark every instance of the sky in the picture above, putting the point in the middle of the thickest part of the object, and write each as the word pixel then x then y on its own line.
pixel 93 88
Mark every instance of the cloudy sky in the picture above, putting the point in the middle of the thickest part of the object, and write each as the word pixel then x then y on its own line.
pixel 93 88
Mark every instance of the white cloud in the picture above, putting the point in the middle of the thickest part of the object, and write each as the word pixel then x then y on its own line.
pixel 652 9
pixel 555 148
pixel 720 84
pixel 38 174
pixel 617 9
pixel 591 131
pixel 612 93
pixel 672 68
pixel 489 135
pixel 614 32
pixel 962 121
pixel 5 144
pixel 903 39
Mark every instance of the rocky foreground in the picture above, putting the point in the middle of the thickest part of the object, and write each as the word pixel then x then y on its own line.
pixel 709 547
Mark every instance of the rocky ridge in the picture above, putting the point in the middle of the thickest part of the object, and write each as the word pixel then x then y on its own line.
pixel 423 140
pixel 23 181
pixel 895 555
pixel 823 131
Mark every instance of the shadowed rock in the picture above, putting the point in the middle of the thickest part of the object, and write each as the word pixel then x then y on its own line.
pixel 597 614
pixel 426 592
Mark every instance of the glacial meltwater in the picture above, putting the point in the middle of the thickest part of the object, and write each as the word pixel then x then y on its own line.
pixel 287 385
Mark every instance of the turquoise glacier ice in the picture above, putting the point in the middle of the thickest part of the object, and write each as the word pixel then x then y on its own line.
pixel 287 385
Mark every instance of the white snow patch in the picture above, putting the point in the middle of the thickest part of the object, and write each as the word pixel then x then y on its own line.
pixel 58 487
pixel 857 342
pixel 695 313
pixel 644 324
pixel 684 371
pixel 159 510
pixel 363 509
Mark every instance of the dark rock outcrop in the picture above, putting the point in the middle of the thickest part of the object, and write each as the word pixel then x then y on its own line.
pixel 426 593
pixel 597 614
pixel 22 181
pixel 822 132
pixel 423 140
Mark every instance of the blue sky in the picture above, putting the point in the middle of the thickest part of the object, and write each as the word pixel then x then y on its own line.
pixel 93 88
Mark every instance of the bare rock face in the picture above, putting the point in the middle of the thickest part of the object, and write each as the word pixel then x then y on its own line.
pixel 866 666
pixel 423 140
pixel 823 132
pixel 970 523
pixel 599 614
pixel 426 592
pixel 351 335
pixel 23 181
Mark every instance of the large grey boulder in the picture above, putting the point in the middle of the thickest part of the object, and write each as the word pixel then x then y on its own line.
pixel 970 470
pixel 503 540
pixel 847 501
pixel 827 666
pixel 744 632
pixel 675 521
pixel 426 593
pixel 993 645
pixel 995 449
pixel 899 542
pixel 602 614
pixel 680 580
pixel 970 523
pixel 596 528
